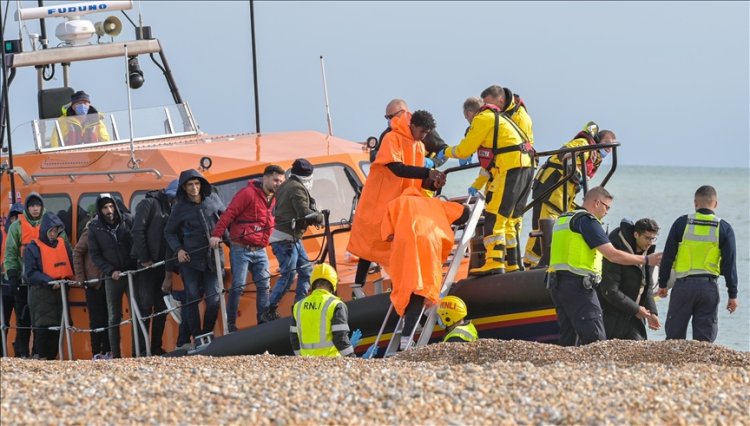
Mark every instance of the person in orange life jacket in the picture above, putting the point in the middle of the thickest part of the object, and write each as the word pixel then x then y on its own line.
pixel 505 150
pixel 699 248
pixel 625 293
pixel 110 242
pixel 20 234
pixel 578 244
pixel 550 174
pixel 46 259
pixel 399 164
pixel 250 220
pixel 8 293
pixel 80 123
pixel 422 238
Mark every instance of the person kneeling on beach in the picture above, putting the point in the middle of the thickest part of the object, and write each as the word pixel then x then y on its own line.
pixel 322 310
pixel 451 314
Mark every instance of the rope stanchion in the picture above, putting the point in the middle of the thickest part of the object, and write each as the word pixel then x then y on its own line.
pixel 3 326
pixel 220 290
pixel 135 318
pixel 66 320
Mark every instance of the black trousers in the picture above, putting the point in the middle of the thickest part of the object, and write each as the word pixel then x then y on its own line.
pixel 46 342
pixel 23 319
pixel 96 304
pixel 150 300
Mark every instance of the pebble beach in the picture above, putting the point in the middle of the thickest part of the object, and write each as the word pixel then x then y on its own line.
pixel 487 382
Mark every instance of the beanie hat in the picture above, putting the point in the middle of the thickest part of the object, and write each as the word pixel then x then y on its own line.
pixel 302 167
pixel 79 96
pixel 171 189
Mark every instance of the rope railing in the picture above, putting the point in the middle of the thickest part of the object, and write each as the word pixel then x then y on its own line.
pixel 66 327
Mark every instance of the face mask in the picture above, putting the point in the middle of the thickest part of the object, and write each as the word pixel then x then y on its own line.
pixel 603 152
pixel 81 109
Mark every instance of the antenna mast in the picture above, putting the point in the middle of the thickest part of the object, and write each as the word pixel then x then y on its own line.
pixel 325 93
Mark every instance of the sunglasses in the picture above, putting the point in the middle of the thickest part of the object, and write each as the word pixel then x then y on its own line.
pixel 607 206
pixel 395 114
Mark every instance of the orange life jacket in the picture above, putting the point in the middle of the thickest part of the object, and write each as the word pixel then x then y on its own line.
pixel 55 260
pixel 29 233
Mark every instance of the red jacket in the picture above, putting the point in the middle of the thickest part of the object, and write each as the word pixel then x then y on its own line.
pixel 248 216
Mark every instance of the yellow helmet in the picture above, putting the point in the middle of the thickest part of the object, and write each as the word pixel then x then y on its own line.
pixel 591 128
pixel 324 271
pixel 451 310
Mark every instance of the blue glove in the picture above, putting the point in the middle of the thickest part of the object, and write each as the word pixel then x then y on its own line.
pixel 466 161
pixel 429 163
pixel 440 156
pixel 473 192
pixel 356 337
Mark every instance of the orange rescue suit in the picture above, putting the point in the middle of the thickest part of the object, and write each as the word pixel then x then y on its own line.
pixel 55 261
pixel 381 187
pixel 422 241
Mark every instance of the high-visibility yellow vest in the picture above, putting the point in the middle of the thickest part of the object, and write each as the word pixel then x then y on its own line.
pixel 699 252
pixel 313 315
pixel 465 332
pixel 569 250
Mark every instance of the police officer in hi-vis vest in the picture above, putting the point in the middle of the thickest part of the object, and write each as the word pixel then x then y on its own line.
pixel 699 248
pixel 578 244
pixel 320 321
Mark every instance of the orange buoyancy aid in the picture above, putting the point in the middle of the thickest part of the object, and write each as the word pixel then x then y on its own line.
pixel 55 260
pixel 29 232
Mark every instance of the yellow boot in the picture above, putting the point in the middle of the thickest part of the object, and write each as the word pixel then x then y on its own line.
pixel 491 266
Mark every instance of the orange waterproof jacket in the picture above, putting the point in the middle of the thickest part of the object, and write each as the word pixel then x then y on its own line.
pixel 422 241
pixel 381 187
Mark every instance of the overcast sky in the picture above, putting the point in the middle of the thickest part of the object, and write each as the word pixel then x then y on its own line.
pixel 670 78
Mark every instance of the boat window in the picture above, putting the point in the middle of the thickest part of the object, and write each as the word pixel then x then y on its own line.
pixel 136 198
pixel 332 190
pixel 60 205
pixel 107 128
pixel 365 166
pixel 227 190
pixel 87 208
pixel 458 182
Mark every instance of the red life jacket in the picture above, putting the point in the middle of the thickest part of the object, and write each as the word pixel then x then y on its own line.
pixel 55 261
pixel 29 233
pixel 594 160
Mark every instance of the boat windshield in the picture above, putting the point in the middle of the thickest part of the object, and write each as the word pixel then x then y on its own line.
pixel 105 128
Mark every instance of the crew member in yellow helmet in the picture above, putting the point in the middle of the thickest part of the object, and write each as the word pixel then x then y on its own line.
pixel 699 248
pixel 575 268
pixel 549 175
pixel 320 321
pixel 452 314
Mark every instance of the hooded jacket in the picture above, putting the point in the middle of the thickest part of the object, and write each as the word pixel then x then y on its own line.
pixel 45 303
pixel 293 201
pixel 620 287
pixel 151 216
pixel 83 266
pixel 190 224
pixel 110 244
pixel 13 262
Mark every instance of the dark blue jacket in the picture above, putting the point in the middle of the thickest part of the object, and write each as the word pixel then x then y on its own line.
pixel 110 245
pixel 190 224
pixel 45 303
pixel 727 245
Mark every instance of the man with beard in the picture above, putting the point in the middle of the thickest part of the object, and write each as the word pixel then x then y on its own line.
pixel 625 293
pixel 249 218
pixel 110 242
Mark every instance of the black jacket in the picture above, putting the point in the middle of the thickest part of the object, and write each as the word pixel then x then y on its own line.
pixel 620 288
pixel 149 222
pixel 110 245
pixel 189 225
pixel 45 303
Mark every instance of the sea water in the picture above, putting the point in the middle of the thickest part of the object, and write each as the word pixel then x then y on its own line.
pixel 664 194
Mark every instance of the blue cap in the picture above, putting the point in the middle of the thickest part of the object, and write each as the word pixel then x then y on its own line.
pixel 171 189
